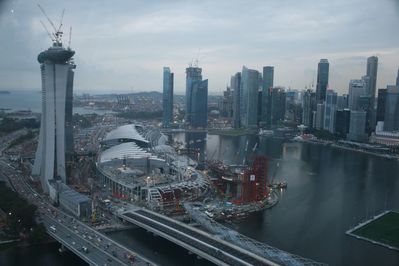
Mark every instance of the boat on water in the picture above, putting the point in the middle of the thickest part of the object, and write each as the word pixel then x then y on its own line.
pixel 282 184
pixel 4 92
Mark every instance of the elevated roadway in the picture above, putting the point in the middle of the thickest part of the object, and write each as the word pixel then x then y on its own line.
pixel 92 246
pixel 196 241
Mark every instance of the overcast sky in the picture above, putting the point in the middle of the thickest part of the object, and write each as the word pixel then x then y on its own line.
pixel 122 46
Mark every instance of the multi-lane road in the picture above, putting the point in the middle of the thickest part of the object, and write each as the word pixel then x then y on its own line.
pixel 89 244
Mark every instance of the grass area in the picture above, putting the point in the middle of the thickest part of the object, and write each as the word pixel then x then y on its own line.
pixel 385 229
pixel 232 132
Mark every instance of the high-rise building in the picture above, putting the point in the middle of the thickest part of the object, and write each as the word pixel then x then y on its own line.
pixel 267 84
pixel 382 94
pixel 357 87
pixel 319 117
pixel 278 105
pixel 342 122
pixel 268 77
pixel 357 126
pixel 235 85
pixel 329 110
pixel 322 80
pixel 372 66
pixel 199 104
pixel 342 101
pixel 167 118
pixel 55 140
pixel 308 106
pixel 391 121
pixel 249 99
pixel 193 74
pixel 226 103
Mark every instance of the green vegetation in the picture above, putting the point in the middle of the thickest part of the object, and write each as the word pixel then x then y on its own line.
pixel 8 124
pixel 141 115
pixel 21 139
pixel 82 121
pixel 232 132
pixel 19 215
pixel 385 229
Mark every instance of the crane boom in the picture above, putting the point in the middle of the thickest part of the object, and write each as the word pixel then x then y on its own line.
pixel 48 33
pixel 48 19
pixel 62 18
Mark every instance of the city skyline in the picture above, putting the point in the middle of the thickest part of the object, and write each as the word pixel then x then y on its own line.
pixel 129 50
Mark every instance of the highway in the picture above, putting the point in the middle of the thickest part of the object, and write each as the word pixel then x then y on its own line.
pixel 199 242
pixel 72 233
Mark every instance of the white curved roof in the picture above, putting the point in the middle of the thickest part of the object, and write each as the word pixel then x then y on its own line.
pixel 128 150
pixel 125 132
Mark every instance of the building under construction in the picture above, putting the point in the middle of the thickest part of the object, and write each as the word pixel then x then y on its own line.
pixel 240 184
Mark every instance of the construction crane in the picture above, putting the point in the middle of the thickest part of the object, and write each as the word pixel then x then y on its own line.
pixel 62 18
pixel 57 34
pixel 48 32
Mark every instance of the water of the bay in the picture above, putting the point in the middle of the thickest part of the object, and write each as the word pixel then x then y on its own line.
pixel 31 100
pixel 329 191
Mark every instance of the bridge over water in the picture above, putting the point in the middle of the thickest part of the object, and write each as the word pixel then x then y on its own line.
pixel 213 247
pixel 196 241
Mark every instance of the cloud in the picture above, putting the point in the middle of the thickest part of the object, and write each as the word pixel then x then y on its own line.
pixel 125 44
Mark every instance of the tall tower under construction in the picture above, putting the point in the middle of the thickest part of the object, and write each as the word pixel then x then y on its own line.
pixel 55 145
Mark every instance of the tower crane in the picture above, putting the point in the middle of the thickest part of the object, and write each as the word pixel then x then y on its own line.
pixel 57 31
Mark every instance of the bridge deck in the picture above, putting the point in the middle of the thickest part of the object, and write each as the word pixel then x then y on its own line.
pixel 206 243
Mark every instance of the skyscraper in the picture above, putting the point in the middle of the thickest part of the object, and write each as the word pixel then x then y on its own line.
pixel 193 74
pixel 167 118
pixel 249 100
pixel 267 84
pixel 372 65
pixel 391 121
pixel 278 105
pixel 381 99
pixel 342 122
pixel 342 101
pixel 329 110
pixel 357 126
pixel 322 80
pixel 308 106
pixel 199 104
pixel 357 88
pixel 235 83
pixel 319 117
pixel 55 140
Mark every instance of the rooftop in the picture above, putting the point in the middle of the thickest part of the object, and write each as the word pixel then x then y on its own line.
pixel 125 132
pixel 128 150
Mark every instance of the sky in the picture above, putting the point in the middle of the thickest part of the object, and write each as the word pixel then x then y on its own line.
pixel 122 46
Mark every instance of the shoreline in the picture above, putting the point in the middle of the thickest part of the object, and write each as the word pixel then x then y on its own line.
pixel 338 146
